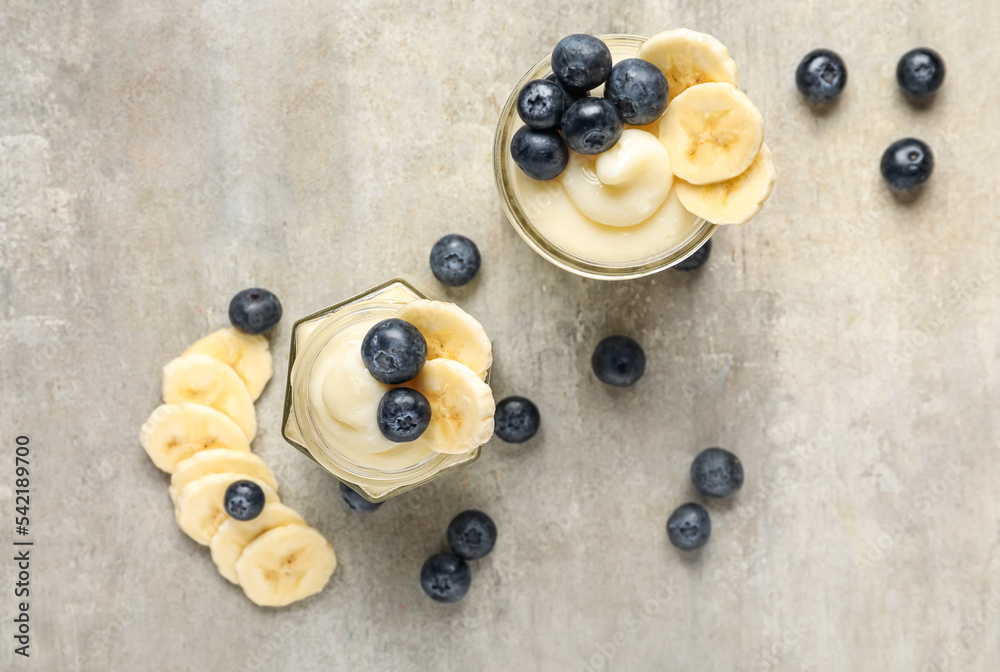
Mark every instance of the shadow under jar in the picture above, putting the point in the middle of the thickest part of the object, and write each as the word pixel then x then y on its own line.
pixel 376 476
pixel 543 216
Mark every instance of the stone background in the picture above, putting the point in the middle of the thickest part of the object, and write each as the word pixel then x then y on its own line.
pixel 156 157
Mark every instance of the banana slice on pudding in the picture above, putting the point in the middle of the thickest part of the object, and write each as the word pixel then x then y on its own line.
pixel 201 379
pixel 248 354
pixel 734 201
pixel 175 432
pixel 689 58
pixel 451 333
pixel 285 565
pixel 462 407
pixel 712 133
pixel 623 186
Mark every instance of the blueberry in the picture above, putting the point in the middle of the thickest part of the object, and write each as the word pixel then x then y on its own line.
pixel 254 311
pixel 581 62
pixel 698 259
pixel 920 72
pixel 394 351
pixel 591 126
pixel 516 419
pixel 244 500
pixel 716 473
pixel 541 155
pixel 570 96
pixel 356 501
pixel 618 361
pixel 821 76
pixel 907 164
pixel 472 534
pixel 638 89
pixel 445 577
pixel 403 414
pixel 689 527
pixel 455 260
pixel 541 104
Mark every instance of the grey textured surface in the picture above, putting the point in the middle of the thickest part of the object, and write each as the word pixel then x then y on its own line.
pixel 156 157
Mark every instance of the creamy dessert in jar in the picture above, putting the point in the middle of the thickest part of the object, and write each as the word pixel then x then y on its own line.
pixel 619 156
pixel 388 390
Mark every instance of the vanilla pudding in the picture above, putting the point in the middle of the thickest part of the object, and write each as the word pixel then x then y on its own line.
pixel 332 398
pixel 629 188
pixel 343 396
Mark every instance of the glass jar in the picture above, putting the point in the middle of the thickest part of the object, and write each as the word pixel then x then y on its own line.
pixel 518 210
pixel 299 425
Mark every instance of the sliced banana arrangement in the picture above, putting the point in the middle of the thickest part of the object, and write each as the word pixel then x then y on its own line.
pixel 248 354
pixel 234 535
pixel 689 58
pixel 712 131
pixel 451 333
pixel 200 508
pixel 219 461
pixel 462 406
pixel 202 379
pixel 175 432
pixel 226 497
pixel 284 565
pixel 733 201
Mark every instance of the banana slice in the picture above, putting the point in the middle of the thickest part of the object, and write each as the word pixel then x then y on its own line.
pixel 175 432
pixel 248 354
pixel 219 461
pixel 451 333
pixel 624 185
pixel 285 565
pixel 201 379
pixel 688 58
pixel 712 133
pixel 234 535
pixel 462 406
pixel 200 508
pixel 734 201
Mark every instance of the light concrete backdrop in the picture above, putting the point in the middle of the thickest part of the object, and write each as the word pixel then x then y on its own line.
pixel 156 157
